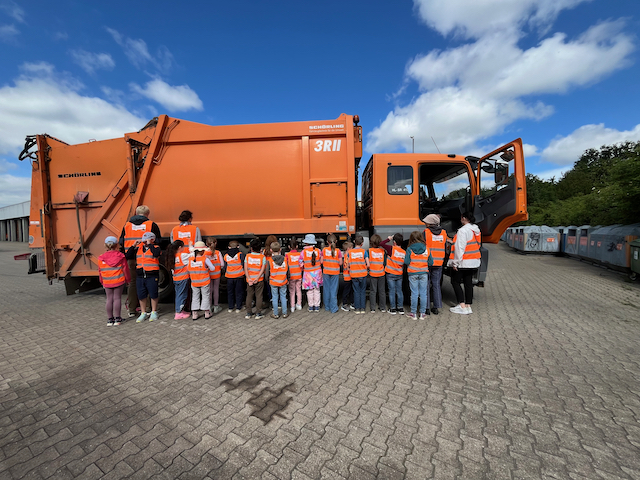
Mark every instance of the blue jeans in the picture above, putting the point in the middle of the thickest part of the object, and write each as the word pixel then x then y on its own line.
pixel 435 293
pixel 359 292
pixel 419 285
pixel 395 288
pixel 182 292
pixel 235 292
pixel 279 293
pixel 330 292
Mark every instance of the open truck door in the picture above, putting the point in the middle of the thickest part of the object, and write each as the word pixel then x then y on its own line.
pixel 501 191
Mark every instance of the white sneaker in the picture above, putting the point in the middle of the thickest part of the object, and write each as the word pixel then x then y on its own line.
pixel 298 307
pixel 458 309
pixel 468 311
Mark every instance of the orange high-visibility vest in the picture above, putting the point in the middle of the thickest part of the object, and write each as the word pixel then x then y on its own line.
pixel 198 271
pixel 418 262
pixel 254 264
pixel 181 270
pixel 330 264
pixel 112 277
pixel 278 273
pixel 146 261
pixel 307 254
pixel 132 232
pixel 293 259
pixel 217 266
pixel 346 271
pixel 376 262
pixel 235 269
pixel 472 250
pixel 357 263
pixel 395 261
pixel 435 244
pixel 186 233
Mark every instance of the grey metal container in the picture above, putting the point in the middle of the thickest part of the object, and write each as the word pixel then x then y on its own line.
pixel 541 239
pixel 570 239
pixel 584 240
pixel 612 244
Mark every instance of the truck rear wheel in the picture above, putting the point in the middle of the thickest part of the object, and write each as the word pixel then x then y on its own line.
pixel 165 285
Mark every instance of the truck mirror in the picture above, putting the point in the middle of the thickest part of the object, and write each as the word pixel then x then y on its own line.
pixel 501 174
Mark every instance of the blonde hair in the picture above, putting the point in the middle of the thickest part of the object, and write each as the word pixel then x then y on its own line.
pixel 111 246
pixel 331 240
pixel 143 210
pixel 233 244
pixel 275 247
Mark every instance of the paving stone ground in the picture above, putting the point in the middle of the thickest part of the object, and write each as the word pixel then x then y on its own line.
pixel 542 381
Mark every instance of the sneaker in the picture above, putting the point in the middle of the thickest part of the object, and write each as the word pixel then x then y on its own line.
pixel 382 310
pixel 248 316
pixel 195 316
pixel 352 307
pixel 182 315
pixel 458 309
pixel 259 315
pixel 357 312
pixel 362 311
pixel 411 316
pixel 311 309
pixel 153 316
pixel 373 310
pixel 468 311
pixel 230 310
pixel 298 307
pixel 238 310
pixel 110 322
pixel 217 309
pixel 117 321
pixel 285 315
pixel 344 308
pixel 142 317
pixel 423 316
pixel 132 314
pixel 274 316
pixel 392 311
pixel 435 311
pixel 401 311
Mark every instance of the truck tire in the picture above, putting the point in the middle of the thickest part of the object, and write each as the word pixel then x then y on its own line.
pixel 165 286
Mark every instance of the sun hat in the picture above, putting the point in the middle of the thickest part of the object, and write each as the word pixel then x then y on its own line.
pixel 309 239
pixel 148 236
pixel 431 219
pixel 199 246
pixel 110 240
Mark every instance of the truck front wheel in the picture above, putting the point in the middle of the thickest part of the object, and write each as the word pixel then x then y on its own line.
pixel 165 285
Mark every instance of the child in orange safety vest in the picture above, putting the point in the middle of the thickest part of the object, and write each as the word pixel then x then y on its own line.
pixel 199 268
pixel 147 256
pixel 435 238
pixel 114 275
pixel 358 263
pixel 255 264
pixel 331 262
pixel 377 263
pixel 295 276
pixel 311 261
pixel 418 260
pixel 393 270
pixel 218 264
pixel 277 269
pixel 347 290
pixel 177 261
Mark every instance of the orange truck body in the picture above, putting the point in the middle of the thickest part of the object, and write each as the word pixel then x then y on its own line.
pixel 240 181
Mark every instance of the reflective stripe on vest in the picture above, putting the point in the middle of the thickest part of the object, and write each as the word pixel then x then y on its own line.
pixel 215 260
pixel 235 269
pixel 180 270
pixel 376 262
pixel 112 277
pixel 357 264
pixel 293 259
pixel 254 264
pixel 395 261
pixel 146 261
pixel 472 250
pixel 307 254
pixel 186 233
pixel 132 232
pixel 330 264
pixel 435 244
pixel 198 272
pixel 418 262
pixel 278 273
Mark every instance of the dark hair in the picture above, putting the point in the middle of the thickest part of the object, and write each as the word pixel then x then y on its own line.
pixel 211 243
pixel 358 240
pixel 185 216
pixel 172 249
pixel 332 240
pixel 398 238
pixel 255 244
pixel 469 216
pixel 267 245
pixel 416 237
pixel 293 244
pixel 375 240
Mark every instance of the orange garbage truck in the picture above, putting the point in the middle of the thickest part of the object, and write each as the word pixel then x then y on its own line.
pixel 246 181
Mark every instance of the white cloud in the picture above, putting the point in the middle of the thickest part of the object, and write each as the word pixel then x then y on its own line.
pixel 566 150
pixel 138 54
pixel 90 62
pixel 8 33
pixel 173 98
pixel 14 189
pixel 42 100
pixel 6 166
pixel 13 10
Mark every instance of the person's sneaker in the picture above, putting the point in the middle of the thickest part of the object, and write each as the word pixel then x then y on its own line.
pixel 401 311
pixel 344 308
pixel 423 316
pixel 373 310
pixel 273 315
pixel 298 307
pixel 230 310
pixel 392 311
pixel 132 314
pixel 217 309
pixel 195 316
pixel 435 311
pixel 411 316
pixel 153 316
pixel 238 310
pixel 382 310
pixel 311 309
pixel 259 315
pixel 357 312
pixel 110 322
pixel 142 317
pixel 468 311
pixel 182 315
pixel 363 311
pixel 117 321
pixel 458 309
pixel 352 307
pixel 285 315
pixel 248 316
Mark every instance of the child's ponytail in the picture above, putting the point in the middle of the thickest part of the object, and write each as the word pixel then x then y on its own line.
pixel 332 240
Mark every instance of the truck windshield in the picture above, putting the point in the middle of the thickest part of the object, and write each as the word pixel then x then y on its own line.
pixel 445 190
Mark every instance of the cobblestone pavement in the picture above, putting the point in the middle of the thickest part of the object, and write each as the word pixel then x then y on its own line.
pixel 542 381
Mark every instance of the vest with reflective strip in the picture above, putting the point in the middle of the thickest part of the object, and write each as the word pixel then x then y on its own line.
pixel 112 277
pixel 146 261
pixel 234 266
pixel 186 233
pixel 435 244
pixel 418 262
pixel 254 264
pixel 198 272
pixel 395 261
pixel 307 253
pixel 293 259
pixel 376 262
pixel 278 274
pixel 134 232
pixel 357 264
pixel 330 265
pixel 181 270
pixel 217 266
pixel 472 250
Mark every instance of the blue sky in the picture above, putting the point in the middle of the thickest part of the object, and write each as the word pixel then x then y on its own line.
pixel 472 74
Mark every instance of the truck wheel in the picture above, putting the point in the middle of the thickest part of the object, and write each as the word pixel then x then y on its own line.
pixel 633 276
pixel 165 286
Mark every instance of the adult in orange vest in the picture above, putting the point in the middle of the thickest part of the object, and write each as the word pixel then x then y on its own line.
pixel 114 275
pixel 418 260
pixel 435 238
pixel 132 231
pixel 146 254
pixel 188 233
pixel 465 260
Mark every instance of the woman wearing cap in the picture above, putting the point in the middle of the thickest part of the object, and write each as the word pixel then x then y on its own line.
pixel 147 256
pixel 310 261
pixel 114 274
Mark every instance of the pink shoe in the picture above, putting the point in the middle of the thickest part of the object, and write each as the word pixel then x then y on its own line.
pixel 181 316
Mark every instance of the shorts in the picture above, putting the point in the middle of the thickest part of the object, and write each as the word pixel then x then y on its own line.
pixel 147 287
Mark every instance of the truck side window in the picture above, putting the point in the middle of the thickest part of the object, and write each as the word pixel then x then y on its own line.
pixel 400 180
